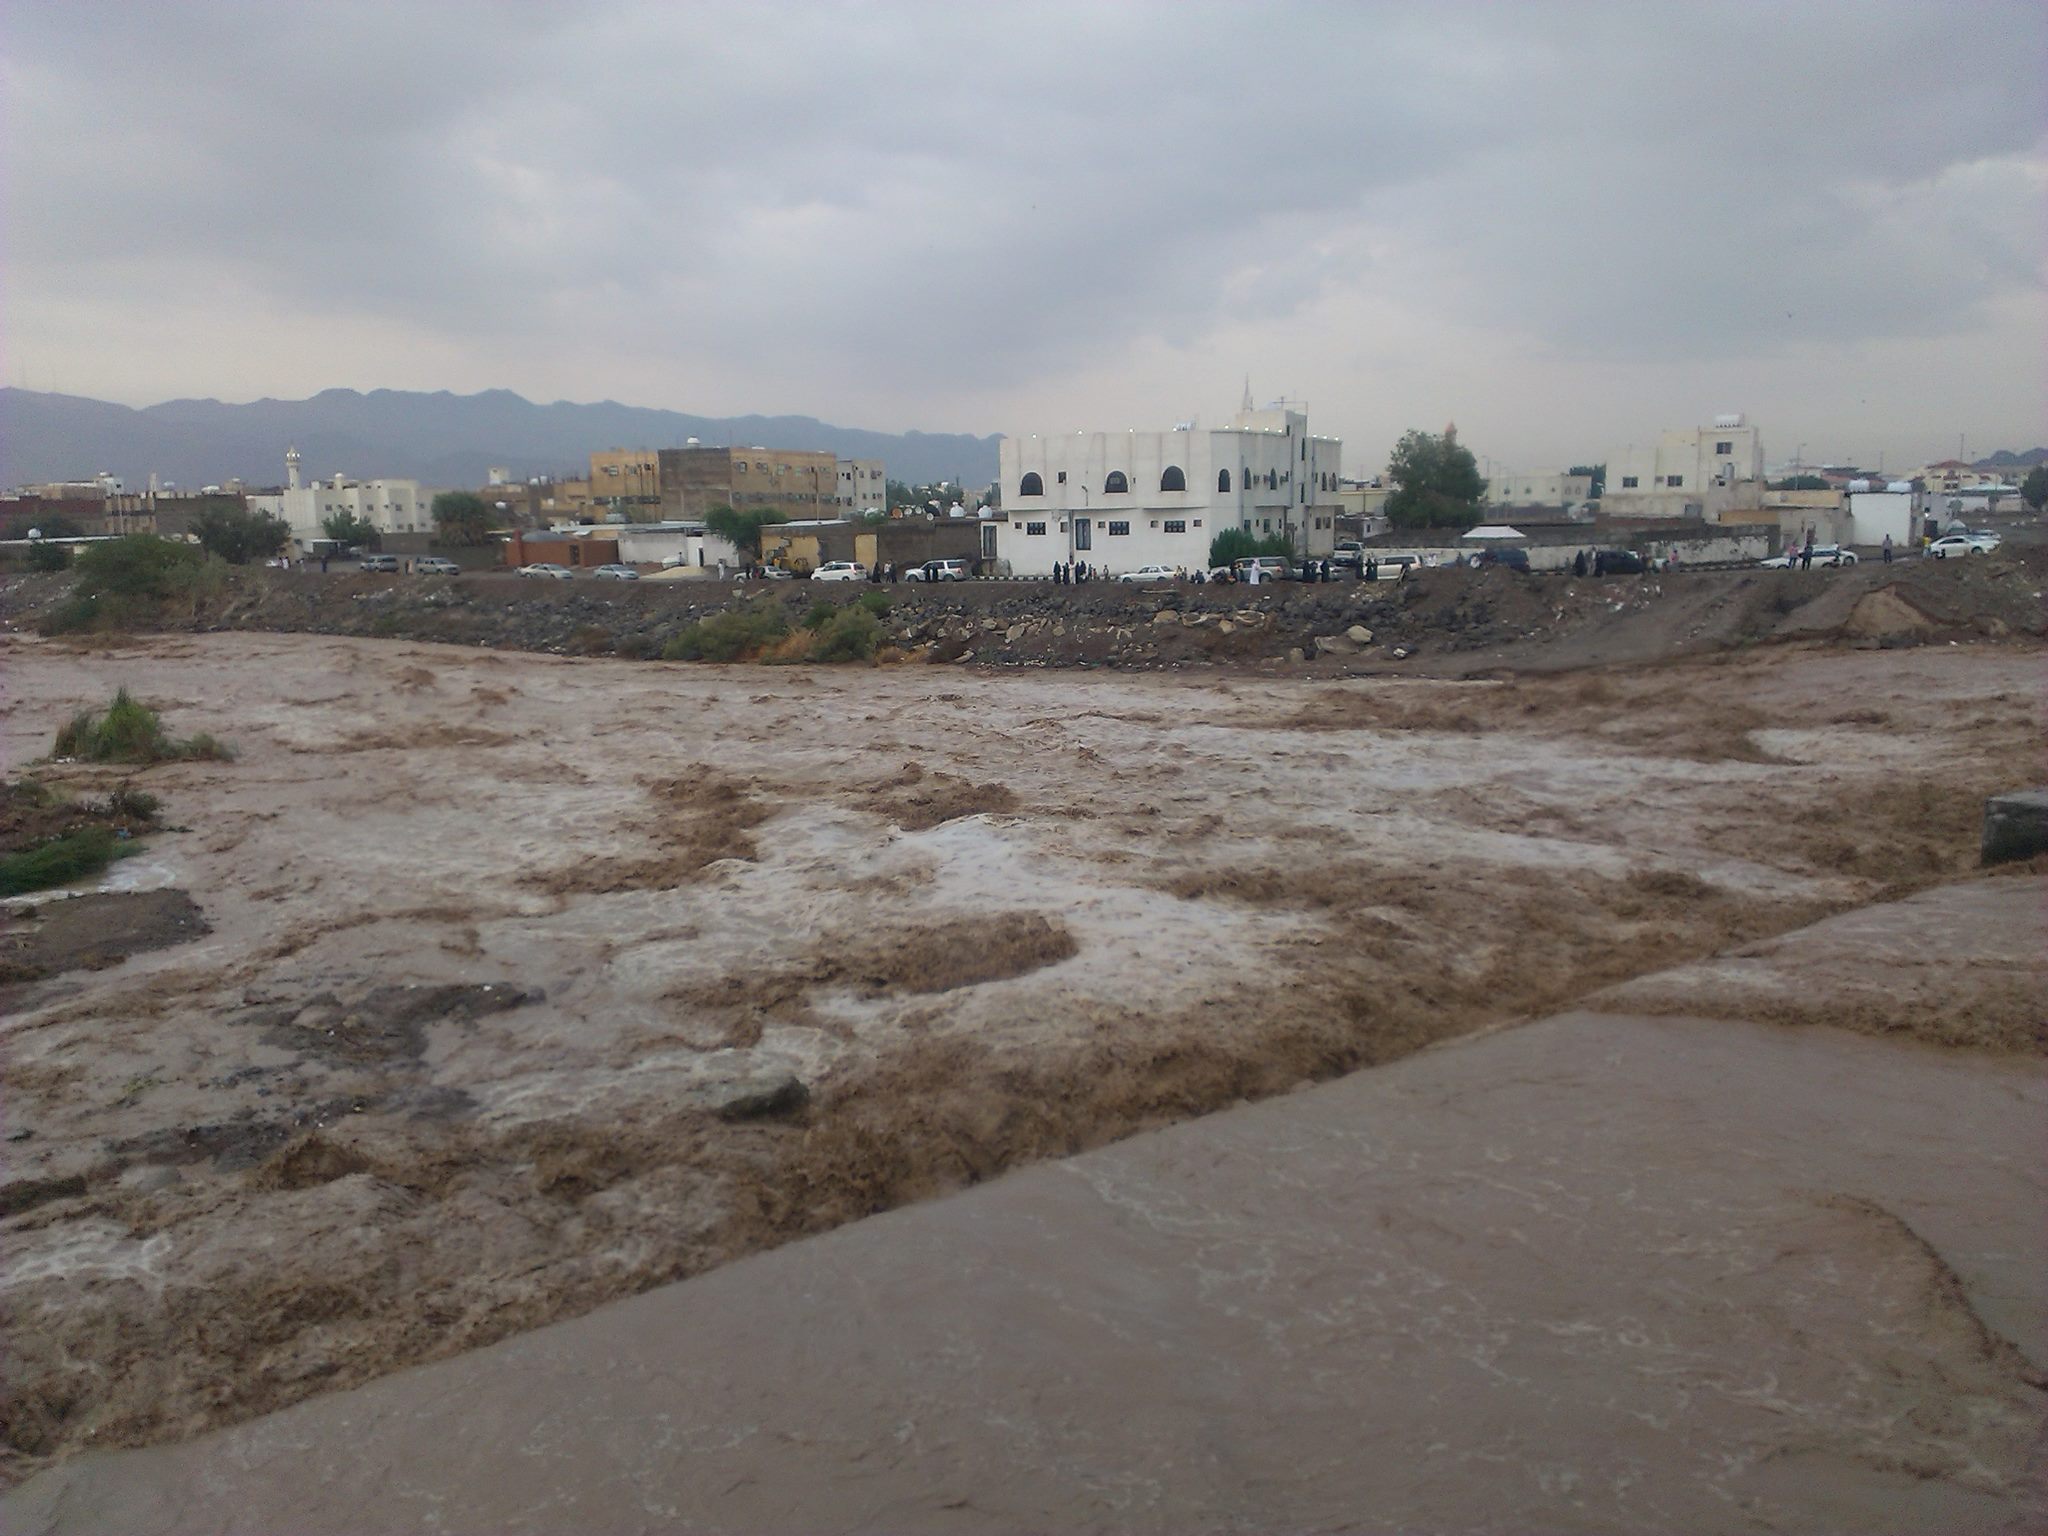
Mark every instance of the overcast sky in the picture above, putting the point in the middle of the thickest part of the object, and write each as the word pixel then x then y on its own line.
pixel 1565 226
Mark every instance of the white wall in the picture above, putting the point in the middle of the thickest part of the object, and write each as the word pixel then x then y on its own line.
pixel 1873 514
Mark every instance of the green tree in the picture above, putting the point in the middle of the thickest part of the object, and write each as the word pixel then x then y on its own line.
pixel 238 534
pixel 2034 489
pixel 1437 483
pixel 58 526
pixel 1800 483
pixel 347 529
pixel 1599 474
pixel 1234 544
pixel 45 556
pixel 743 529
pixel 461 517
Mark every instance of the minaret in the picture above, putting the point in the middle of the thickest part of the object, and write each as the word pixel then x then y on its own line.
pixel 291 469
pixel 1247 405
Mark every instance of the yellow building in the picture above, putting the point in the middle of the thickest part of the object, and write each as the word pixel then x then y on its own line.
pixel 625 477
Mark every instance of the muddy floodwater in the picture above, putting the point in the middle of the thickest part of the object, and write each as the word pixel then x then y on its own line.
pixel 528 983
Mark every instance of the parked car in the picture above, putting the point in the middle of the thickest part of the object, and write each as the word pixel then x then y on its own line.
pixel 1617 562
pixel 1349 552
pixel 1963 544
pixel 1823 555
pixel 1512 559
pixel 777 573
pixel 840 570
pixel 1271 568
pixel 547 572
pixel 1389 567
pixel 672 562
pixel 1150 573
pixel 436 565
pixel 378 563
pixel 615 572
pixel 938 570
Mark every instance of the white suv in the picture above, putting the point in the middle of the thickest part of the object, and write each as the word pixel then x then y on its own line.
pixel 938 570
pixel 839 570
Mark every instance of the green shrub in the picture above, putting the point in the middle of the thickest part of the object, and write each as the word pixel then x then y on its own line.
pixel 852 635
pixel 72 616
pixel 638 647
pixel 45 556
pixel 58 861
pixel 726 636
pixel 132 804
pixel 820 615
pixel 134 565
pixel 876 603
pixel 128 732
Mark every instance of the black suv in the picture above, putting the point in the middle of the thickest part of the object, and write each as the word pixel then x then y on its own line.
pixel 1617 562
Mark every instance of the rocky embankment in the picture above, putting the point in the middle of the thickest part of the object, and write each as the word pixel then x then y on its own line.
pixel 1453 618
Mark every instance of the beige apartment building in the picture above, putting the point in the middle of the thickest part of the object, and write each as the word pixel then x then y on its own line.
pixel 625 477
pixel 799 483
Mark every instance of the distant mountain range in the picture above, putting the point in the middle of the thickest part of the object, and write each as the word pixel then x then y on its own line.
pixel 441 439
pixel 2005 458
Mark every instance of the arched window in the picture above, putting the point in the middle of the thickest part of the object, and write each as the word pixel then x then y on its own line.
pixel 1116 484
pixel 1031 485
pixel 1222 479
pixel 1272 480
pixel 1172 479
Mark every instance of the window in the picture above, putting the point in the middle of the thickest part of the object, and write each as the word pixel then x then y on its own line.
pixel 1031 485
pixel 1222 479
pixel 1198 522
pixel 1674 481
pixel 1063 477
pixel 1304 450
pixel 1119 530
pixel 1272 480
pixel 1628 482
pixel 1083 530
pixel 1171 479
pixel 741 466
pixel 1724 447
pixel 1036 530
pixel 1176 525
pixel 1116 484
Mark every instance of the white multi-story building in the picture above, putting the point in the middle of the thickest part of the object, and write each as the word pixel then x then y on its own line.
pixel 862 485
pixel 1120 500
pixel 1538 488
pixel 1698 472
pixel 390 506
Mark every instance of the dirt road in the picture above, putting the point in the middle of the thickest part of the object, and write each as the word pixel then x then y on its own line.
pixel 533 982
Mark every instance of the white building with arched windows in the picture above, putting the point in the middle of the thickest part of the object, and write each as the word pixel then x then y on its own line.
pixel 1121 500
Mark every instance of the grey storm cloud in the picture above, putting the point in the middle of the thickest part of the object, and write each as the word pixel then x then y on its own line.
pixel 892 190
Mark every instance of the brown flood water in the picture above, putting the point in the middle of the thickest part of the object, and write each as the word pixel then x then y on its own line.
pixel 533 983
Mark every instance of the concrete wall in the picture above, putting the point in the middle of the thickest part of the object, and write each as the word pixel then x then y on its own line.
pixel 1875 514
